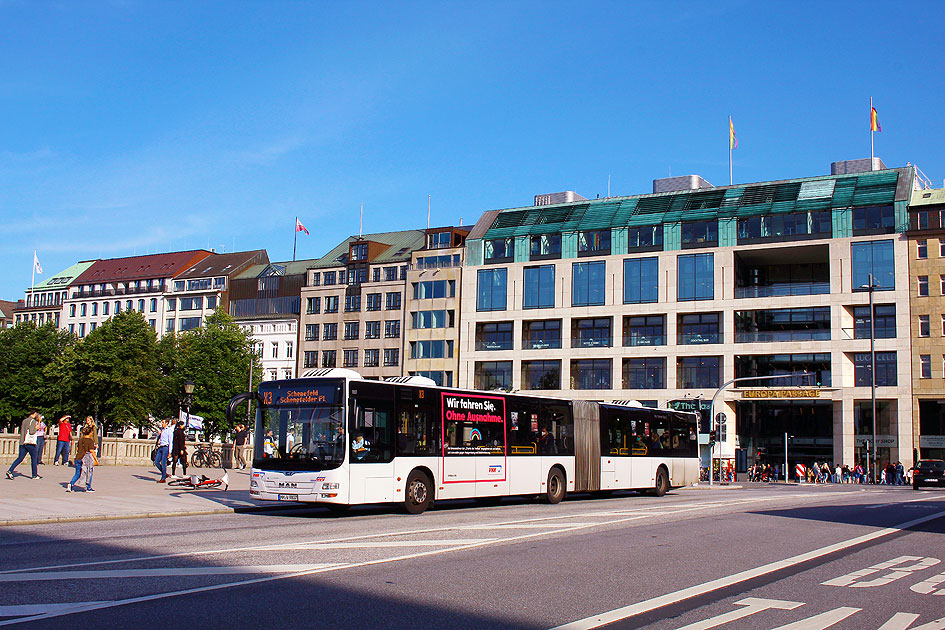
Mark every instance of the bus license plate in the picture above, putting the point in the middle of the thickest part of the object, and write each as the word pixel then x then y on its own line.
pixel 288 497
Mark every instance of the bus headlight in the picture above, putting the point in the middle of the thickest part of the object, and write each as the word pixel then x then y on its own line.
pixel 329 486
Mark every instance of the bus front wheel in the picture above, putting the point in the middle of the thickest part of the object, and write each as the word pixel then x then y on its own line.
pixel 555 490
pixel 662 482
pixel 419 493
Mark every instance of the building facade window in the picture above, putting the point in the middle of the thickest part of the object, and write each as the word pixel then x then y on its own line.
pixel 544 247
pixel 700 233
pixel 393 301
pixel 372 330
pixel 288 349
pixel 698 372
pixel 352 330
pixel 309 359
pixel 594 243
pixel 645 238
pixel 331 304
pixel 885 326
pixel 372 357
pixel 275 349
pixel 329 358
pixel 329 278
pixel 494 336
pixel 541 374
pixel 541 334
pixel 922 249
pixel 331 331
pixel 169 326
pixel 490 375
pixel 873 257
pixel 591 374
pixel 644 373
pixel 189 323
pixel 373 301
pixel 922 286
pixel 432 319
pixel 587 283
pixel 695 277
pixel 432 349
pixel 644 330
pixel 874 220
pixel 311 332
pixel 794 226
pixel 153 305
pixel 432 289
pixel 924 326
pixel 885 369
pixel 699 328
pixel 313 305
pixel 594 332
pixel 391 357
pixel 640 280
pixel 539 287
pixel 392 329
pixel 349 358
pixel 491 289
pixel 925 366
pixel 498 250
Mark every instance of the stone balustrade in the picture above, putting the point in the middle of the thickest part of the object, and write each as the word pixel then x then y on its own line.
pixel 114 451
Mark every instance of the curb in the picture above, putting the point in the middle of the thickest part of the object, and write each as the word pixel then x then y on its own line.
pixel 120 517
pixel 717 486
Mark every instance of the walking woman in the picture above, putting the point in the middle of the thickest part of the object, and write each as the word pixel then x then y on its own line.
pixel 179 449
pixel 40 440
pixel 84 459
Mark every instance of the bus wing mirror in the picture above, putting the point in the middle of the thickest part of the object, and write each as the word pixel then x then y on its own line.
pixel 236 401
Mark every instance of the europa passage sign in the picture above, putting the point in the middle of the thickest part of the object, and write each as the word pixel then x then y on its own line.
pixel 473 424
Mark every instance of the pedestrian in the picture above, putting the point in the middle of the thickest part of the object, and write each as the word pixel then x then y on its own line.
pixel 239 441
pixel 85 459
pixel 269 445
pixel 165 441
pixel 40 440
pixel 27 444
pixel 63 441
pixel 179 450
pixel 900 474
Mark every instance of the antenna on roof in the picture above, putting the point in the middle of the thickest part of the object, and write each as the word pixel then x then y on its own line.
pixel 361 222
pixel 608 185
pixel 429 197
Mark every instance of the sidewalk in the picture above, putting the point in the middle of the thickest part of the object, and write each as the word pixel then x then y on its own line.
pixel 120 492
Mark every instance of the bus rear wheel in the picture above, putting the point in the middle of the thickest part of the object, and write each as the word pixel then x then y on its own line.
pixel 662 482
pixel 555 490
pixel 419 493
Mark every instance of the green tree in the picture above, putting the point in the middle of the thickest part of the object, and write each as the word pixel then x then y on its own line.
pixel 26 353
pixel 114 372
pixel 216 357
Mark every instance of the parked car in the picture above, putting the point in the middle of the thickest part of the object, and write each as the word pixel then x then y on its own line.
pixel 928 472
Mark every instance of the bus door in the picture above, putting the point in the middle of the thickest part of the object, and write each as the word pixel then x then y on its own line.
pixel 371 443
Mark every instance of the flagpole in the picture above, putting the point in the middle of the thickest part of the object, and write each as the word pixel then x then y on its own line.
pixel 731 179
pixel 871 133
pixel 295 237
pixel 33 282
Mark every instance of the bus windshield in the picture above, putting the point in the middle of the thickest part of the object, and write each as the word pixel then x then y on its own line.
pixel 298 435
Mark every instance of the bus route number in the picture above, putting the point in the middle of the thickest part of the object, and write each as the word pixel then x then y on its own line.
pixel 267 398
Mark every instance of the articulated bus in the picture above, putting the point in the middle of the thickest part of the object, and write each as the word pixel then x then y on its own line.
pixel 333 437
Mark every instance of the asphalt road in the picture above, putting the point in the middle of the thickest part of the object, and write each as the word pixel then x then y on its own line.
pixel 761 557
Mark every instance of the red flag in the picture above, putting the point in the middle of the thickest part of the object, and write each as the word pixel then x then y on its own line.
pixel 299 227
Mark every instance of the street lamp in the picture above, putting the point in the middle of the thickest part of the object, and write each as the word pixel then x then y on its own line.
pixel 870 288
pixel 188 390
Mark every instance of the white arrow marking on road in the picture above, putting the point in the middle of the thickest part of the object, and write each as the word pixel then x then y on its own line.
pixel 752 606
pixel 852 579
pixel 928 586
pixel 821 621
pixel 899 621
pixel 146 573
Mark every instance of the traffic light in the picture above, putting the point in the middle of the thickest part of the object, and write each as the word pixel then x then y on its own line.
pixel 722 424
pixel 712 436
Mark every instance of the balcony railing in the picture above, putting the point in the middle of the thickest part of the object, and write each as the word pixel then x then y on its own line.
pixel 598 341
pixel 782 335
pixel 644 340
pixel 541 344
pixel 494 344
pixel 698 338
pixel 783 289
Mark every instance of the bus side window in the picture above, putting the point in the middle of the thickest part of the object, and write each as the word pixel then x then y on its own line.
pixel 413 435
pixel 371 438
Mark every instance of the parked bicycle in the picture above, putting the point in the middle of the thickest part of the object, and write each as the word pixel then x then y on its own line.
pixel 205 457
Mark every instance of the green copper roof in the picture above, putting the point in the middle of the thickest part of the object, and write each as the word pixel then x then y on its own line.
pixel 799 195
pixel 65 277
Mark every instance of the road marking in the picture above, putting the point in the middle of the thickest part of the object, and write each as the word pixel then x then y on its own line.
pixel 20 610
pixel 752 606
pixel 852 579
pixel 379 544
pixel 667 510
pixel 821 621
pixel 595 621
pixel 541 525
pixel 158 572
pixel 899 621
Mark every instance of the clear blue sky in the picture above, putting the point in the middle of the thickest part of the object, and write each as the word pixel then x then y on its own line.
pixel 138 127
